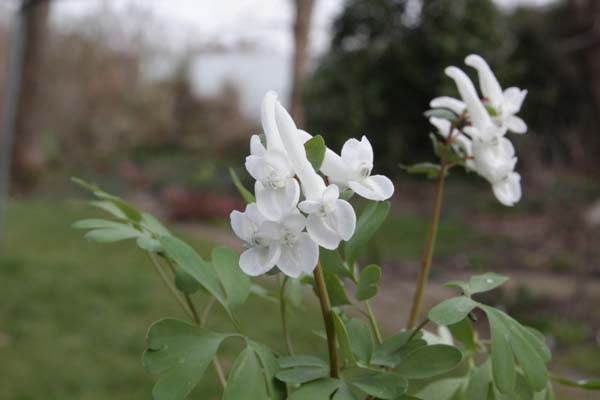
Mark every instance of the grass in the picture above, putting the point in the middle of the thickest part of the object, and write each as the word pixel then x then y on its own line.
pixel 74 315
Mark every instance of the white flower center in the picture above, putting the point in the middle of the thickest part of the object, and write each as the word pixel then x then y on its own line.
pixel 276 180
pixel 290 238
pixel 327 208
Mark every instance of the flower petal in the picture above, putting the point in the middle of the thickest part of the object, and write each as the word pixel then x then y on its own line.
pixel 331 193
pixel 309 206
pixel 508 191
pixel 301 257
pixel 452 104
pixel 355 153
pixel 275 203
pixel 477 112
pixel 487 80
pixel 516 124
pixel 257 167
pixel 513 99
pixel 259 260
pixel 345 219
pixel 294 222
pixel 442 125
pixel 267 117
pixel 321 232
pixel 256 146
pixel 375 187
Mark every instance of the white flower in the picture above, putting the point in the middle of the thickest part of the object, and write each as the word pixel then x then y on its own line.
pixel 460 142
pixel 276 190
pixel 505 103
pixel 330 219
pixel 353 170
pixel 493 155
pixel 456 106
pixel 262 252
pixel 271 243
pixel 298 252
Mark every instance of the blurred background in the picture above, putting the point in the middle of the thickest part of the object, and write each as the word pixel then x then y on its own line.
pixel 154 100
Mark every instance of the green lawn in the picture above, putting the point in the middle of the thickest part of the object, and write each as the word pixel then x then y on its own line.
pixel 74 315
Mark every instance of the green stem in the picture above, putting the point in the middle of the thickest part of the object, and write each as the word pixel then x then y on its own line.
pixel 284 324
pixel 429 246
pixel 417 329
pixel 334 371
pixel 167 282
pixel 373 322
pixel 188 306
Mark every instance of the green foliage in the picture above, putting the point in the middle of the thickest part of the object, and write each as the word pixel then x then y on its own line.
pixel 235 283
pixel 246 194
pixel 180 352
pixel 368 282
pixel 428 361
pixel 315 151
pixel 428 169
pixel 367 225
pixel 245 379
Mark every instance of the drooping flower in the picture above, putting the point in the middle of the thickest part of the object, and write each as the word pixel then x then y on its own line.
pixel 330 219
pixel 492 154
pixel 506 104
pixel 353 170
pixel 276 190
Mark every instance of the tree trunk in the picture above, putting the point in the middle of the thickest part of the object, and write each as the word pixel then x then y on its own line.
pixel 304 10
pixel 28 159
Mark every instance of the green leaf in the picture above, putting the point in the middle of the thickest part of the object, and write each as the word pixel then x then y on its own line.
pixel 463 332
pixel 441 113
pixel 236 284
pixel 109 208
pixel 343 339
pixel 393 350
pixel 452 310
pixel 361 339
pixel 486 282
pixel 367 225
pixel 315 151
pixel 301 361
pixel 187 259
pixel 443 389
pixel 111 235
pixel 464 286
pixel 380 384
pixel 503 364
pixel 97 224
pixel 430 169
pixel 321 389
pixel 148 243
pixel 246 380
pixel 588 384
pixel 185 282
pixel 153 225
pixel 447 154
pixel 277 389
pixel 331 261
pixel 299 375
pixel 180 352
pixel 246 194
pixel 368 282
pixel 337 292
pixel 344 393
pixel 125 208
pixel 294 292
pixel 428 361
pixel 480 379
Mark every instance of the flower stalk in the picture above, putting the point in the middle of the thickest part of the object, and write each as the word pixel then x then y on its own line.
pixel 328 320
pixel 429 247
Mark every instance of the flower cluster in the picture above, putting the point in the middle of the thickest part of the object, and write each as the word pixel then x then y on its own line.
pixel 296 209
pixel 482 140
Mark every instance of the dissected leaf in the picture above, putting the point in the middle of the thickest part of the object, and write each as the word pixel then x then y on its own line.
pixel 336 290
pixel 321 389
pixel 110 235
pixel 368 282
pixel 431 170
pixel 361 339
pixel 380 384
pixel 503 364
pixel 331 261
pixel 180 352
pixel 277 389
pixel 301 361
pixel 428 361
pixel 367 225
pixel 486 282
pixel 452 310
pixel 236 284
pixel 246 380
pixel 343 339
pixel 299 375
